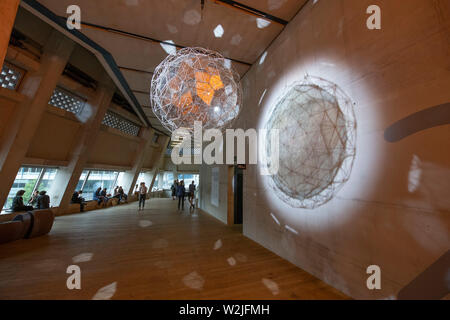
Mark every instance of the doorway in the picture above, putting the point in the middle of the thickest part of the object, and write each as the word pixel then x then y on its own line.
pixel 235 195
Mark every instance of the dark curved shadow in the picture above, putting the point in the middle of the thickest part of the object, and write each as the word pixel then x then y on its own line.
pixel 422 120
pixel 431 284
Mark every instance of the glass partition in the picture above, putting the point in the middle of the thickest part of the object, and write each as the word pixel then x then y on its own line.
pixel 188 178
pixel 99 179
pixel 30 179
pixel 80 183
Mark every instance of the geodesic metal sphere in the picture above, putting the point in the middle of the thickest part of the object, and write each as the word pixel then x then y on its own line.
pixel 195 84
pixel 317 137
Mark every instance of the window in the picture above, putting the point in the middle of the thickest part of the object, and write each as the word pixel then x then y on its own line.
pixel 47 178
pixel 80 183
pixel 156 183
pixel 117 122
pixel 30 179
pixel 10 76
pixel 167 180
pixel 94 179
pixel 163 181
pixel 188 178
pixel 66 100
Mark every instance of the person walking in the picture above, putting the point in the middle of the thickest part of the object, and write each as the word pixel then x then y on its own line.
pixel 142 195
pixel 191 195
pixel 181 190
pixel 174 190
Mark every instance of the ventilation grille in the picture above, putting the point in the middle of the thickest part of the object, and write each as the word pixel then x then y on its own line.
pixel 117 122
pixel 67 101
pixel 10 76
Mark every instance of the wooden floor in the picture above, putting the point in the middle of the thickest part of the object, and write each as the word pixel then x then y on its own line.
pixel 178 256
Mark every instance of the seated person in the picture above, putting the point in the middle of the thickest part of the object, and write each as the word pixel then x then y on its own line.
pixel 116 193
pixel 105 195
pixel 33 200
pixel 122 194
pixel 98 196
pixel 17 204
pixel 77 198
pixel 43 201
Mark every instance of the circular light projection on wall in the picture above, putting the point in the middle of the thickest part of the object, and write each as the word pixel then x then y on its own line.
pixel 317 137
pixel 196 84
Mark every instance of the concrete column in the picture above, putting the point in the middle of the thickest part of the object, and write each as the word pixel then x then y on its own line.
pixel 8 11
pixel 129 178
pixel 158 163
pixel 67 178
pixel 37 89
pixel 155 172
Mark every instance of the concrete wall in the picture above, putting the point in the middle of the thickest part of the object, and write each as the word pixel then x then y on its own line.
pixel 394 210
pixel 153 157
pixel 32 132
pixel 7 110
pixel 114 148
pixel 204 188
pixel 56 135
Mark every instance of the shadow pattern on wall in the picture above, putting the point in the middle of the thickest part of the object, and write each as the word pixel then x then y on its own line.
pixel 419 121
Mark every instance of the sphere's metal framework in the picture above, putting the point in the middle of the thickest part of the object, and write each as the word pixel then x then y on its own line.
pixel 196 84
pixel 317 142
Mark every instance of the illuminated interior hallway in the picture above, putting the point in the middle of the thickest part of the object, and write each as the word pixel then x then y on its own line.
pixel 157 253
pixel 360 100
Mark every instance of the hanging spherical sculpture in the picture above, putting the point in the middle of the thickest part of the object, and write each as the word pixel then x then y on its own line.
pixel 317 139
pixel 195 84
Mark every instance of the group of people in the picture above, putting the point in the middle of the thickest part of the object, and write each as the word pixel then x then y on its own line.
pixel 101 195
pixel 179 191
pixel 38 200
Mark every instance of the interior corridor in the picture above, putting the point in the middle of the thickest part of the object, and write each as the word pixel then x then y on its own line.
pixel 157 253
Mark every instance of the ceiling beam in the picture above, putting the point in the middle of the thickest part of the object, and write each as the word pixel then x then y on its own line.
pixel 251 11
pixel 143 92
pixel 141 37
pixel 135 70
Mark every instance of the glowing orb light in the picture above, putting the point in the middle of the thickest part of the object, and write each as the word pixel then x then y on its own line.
pixel 316 145
pixel 195 84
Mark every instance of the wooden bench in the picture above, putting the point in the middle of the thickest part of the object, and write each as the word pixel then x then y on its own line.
pixel 26 225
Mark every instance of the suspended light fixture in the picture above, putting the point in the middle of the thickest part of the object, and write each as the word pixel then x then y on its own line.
pixel 195 84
